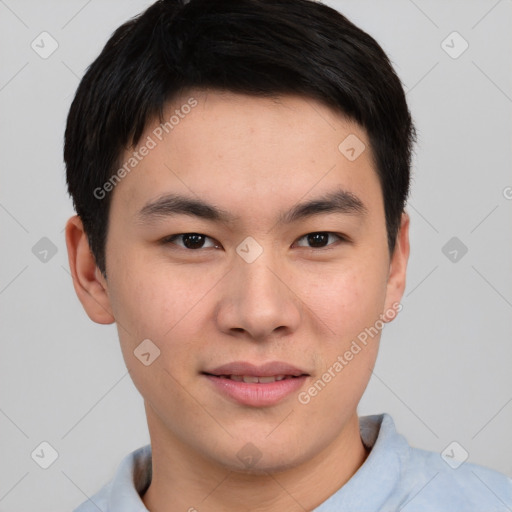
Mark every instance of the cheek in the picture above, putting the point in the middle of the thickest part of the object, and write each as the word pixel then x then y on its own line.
pixel 166 306
pixel 349 304
pixel 149 305
pixel 153 300
pixel 346 299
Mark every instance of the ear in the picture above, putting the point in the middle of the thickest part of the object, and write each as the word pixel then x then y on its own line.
pixel 397 270
pixel 90 285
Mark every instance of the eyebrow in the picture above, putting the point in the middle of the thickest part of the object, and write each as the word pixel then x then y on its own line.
pixel 338 201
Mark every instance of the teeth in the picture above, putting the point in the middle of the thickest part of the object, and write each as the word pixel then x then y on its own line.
pixel 251 379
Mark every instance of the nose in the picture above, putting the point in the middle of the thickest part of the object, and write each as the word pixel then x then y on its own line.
pixel 258 301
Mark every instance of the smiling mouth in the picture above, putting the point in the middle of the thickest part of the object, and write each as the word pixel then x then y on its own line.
pixel 256 386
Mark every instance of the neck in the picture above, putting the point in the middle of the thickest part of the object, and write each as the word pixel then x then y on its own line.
pixel 183 481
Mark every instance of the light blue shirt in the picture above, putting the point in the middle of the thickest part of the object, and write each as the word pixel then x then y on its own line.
pixel 394 477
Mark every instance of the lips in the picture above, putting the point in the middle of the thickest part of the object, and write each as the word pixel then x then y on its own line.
pixel 256 386
pixel 271 369
pixel 253 379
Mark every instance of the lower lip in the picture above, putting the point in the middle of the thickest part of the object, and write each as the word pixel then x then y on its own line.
pixel 257 395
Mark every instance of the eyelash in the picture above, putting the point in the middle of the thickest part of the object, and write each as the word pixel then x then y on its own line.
pixel 170 239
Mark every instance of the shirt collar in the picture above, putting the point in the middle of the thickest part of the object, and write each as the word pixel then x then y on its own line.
pixel 379 475
pixel 131 481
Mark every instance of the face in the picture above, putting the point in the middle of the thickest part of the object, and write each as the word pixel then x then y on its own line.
pixel 278 269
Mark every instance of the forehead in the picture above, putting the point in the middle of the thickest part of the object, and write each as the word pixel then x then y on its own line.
pixel 249 152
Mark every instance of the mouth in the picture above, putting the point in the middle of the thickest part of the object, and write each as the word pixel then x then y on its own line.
pixel 256 386
pixel 253 379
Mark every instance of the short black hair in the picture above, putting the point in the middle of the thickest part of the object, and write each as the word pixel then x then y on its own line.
pixel 254 47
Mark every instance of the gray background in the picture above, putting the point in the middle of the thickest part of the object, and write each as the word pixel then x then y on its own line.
pixel 444 367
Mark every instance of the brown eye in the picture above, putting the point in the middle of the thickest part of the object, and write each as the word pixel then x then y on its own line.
pixel 318 240
pixel 190 241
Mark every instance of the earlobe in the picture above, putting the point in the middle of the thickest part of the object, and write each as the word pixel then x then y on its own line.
pixel 90 286
pixel 397 270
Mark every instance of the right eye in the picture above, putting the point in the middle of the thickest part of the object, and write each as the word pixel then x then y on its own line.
pixel 190 241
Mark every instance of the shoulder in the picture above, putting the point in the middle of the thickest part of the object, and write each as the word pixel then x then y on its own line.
pixel 430 478
pixel 397 477
pixel 410 479
pixel 123 492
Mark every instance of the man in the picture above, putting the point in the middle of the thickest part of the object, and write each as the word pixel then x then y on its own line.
pixel 240 170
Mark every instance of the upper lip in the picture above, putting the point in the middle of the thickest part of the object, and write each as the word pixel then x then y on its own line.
pixel 269 369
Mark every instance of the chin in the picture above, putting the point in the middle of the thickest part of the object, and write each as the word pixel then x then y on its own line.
pixel 264 466
pixel 261 457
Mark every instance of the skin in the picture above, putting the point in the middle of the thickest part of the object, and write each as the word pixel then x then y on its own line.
pixel 297 303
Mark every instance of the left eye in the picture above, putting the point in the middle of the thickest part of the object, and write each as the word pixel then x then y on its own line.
pixel 319 239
